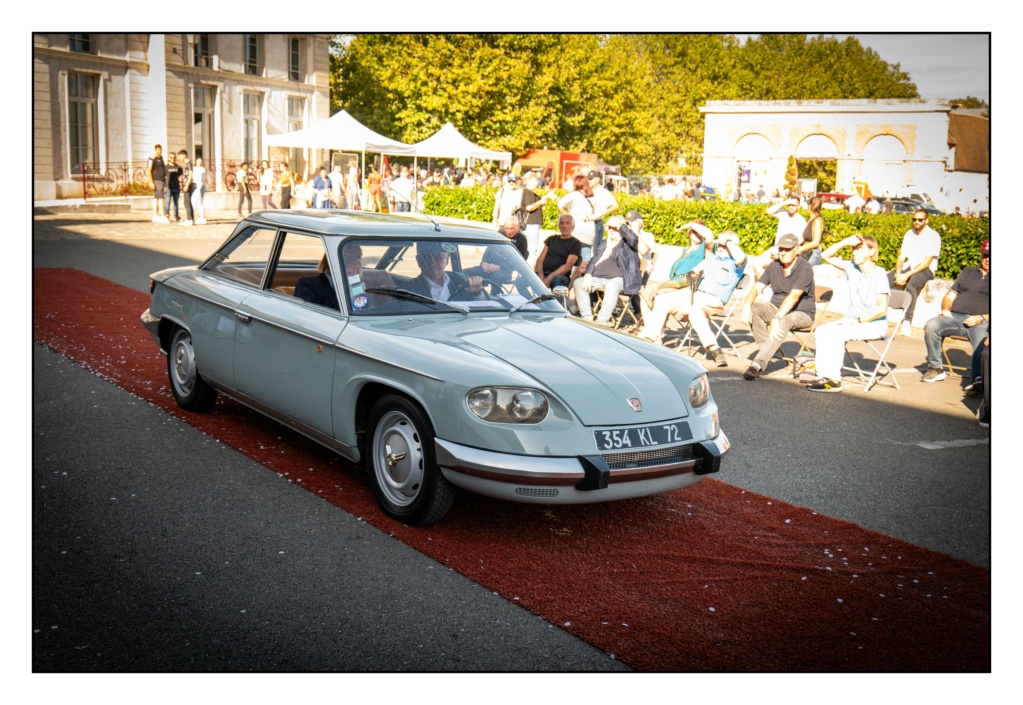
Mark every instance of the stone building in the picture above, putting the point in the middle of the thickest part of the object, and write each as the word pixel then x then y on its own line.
pixel 893 147
pixel 102 101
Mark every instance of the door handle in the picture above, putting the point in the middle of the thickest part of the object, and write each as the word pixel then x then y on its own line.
pixel 243 317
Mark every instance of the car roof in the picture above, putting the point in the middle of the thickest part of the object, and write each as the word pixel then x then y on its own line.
pixel 383 225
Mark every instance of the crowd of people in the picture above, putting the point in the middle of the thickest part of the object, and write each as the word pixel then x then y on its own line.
pixel 581 260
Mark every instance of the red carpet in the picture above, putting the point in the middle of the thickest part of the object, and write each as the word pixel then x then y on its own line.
pixel 712 578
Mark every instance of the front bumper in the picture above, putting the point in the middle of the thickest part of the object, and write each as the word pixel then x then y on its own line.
pixel 581 479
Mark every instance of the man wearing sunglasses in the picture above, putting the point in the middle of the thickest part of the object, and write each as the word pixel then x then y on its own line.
pixel 965 310
pixel 917 263
pixel 792 305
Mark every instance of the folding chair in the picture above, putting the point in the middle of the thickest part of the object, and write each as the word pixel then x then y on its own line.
pixel 622 310
pixel 898 301
pixel 823 300
pixel 720 321
pixel 960 337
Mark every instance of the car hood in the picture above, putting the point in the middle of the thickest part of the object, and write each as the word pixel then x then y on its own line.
pixel 592 371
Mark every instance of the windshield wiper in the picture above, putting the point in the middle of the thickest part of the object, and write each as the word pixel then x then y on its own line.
pixel 534 300
pixel 406 294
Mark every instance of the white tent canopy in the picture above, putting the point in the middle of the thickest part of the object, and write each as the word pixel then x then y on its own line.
pixel 340 132
pixel 449 142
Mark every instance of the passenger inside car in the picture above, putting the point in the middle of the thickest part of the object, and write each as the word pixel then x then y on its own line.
pixel 320 289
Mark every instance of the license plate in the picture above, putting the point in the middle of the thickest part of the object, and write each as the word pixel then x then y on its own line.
pixel 638 437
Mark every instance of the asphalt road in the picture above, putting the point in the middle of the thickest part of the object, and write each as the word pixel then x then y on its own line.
pixel 911 463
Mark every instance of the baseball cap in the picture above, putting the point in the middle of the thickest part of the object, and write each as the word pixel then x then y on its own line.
pixel 593 175
pixel 985 249
pixel 788 240
pixel 633 215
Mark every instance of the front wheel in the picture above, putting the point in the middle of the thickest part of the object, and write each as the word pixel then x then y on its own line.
pixel 400 460
pixel 190 391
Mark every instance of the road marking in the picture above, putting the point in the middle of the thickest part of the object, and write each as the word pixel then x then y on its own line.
pixel 939 445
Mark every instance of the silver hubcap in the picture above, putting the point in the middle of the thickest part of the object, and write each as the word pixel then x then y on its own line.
pixel 398 458
pixel 183 363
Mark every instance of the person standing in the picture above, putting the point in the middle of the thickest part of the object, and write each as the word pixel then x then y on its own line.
pixel 604 205
pixel 531 215
pixel 173 186
pixel 266 185
pixel 402 189
pixel 813 233
pixel 157 172
pixel 917 263
pixel 337 187
pixel 507 200
pixel 286 182
pixel 353 186
pixel 374 188
pixel 186 185
pixel 244 194
pixel 199 192
pixel 866 317
pixel 579 204
pixel 790 222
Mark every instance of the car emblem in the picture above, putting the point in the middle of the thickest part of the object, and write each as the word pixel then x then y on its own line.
pixel 635 404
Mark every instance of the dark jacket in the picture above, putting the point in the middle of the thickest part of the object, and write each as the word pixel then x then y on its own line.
pixel 627 257
pixel 317 290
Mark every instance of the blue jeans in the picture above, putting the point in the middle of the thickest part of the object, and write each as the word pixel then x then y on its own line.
pixel 612 288
pixel 940 327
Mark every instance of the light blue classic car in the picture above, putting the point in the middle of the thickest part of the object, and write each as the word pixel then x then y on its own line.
pixel 432 352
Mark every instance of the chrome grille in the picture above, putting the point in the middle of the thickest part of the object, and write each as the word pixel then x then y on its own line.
pixel 534 492
pixel 649 458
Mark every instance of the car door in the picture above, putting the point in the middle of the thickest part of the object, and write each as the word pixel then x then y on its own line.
pixel 285 346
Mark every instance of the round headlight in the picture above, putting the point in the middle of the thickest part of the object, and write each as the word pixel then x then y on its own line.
pixel 505 405
pixel 699 392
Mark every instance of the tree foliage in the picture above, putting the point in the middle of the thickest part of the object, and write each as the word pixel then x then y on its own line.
pixel 633 99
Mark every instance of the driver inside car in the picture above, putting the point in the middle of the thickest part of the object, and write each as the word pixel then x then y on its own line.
pixel 441 285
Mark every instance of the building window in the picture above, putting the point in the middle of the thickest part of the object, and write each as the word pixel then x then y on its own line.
pixel 252 54
pixel 81 92
pixel 252 127
pixel 203 125
pixel 80 42
pixel 294 59
pixel 296 111
pixel 201 51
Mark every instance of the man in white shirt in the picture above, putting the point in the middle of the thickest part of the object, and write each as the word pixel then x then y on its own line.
pixel 917 263
pixel 604 204
pixel 507 200
pixel 401 188
pixel 789 220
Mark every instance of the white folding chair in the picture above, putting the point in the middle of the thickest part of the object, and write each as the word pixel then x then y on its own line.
pixel 719 322
pixel 898 301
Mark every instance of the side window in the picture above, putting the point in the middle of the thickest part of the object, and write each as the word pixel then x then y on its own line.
pixel 244 257
pixel 303 271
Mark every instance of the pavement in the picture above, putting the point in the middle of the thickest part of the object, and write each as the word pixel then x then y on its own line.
pixel 908 462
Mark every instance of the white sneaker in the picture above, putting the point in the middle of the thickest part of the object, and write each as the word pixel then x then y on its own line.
pixel 907 328
pixel 200 221
pixel 162 219
pixel 186 223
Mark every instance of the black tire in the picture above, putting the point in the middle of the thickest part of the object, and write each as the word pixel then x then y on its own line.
pixel 190 391
pixel 400 460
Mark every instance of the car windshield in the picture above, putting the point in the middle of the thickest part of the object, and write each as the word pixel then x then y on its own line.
pixel 387 277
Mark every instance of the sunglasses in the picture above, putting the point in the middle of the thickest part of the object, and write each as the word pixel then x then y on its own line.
pixel 919 220
pixel 785 249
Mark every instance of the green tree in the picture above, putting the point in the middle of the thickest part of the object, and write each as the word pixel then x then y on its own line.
pixel 792 175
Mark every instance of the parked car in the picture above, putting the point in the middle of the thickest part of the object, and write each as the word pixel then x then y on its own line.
pixel 909 205
pixel 833 201
pixel 481 382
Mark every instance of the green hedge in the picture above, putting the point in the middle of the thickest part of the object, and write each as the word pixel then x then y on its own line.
pixel 960 239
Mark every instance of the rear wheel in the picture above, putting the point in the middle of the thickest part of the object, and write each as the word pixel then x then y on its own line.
pixel 190 391
pixel 400 459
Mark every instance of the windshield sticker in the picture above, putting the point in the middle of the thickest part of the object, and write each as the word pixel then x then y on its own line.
pixel 360 301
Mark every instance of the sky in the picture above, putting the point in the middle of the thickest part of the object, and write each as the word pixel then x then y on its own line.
pixel 941 65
